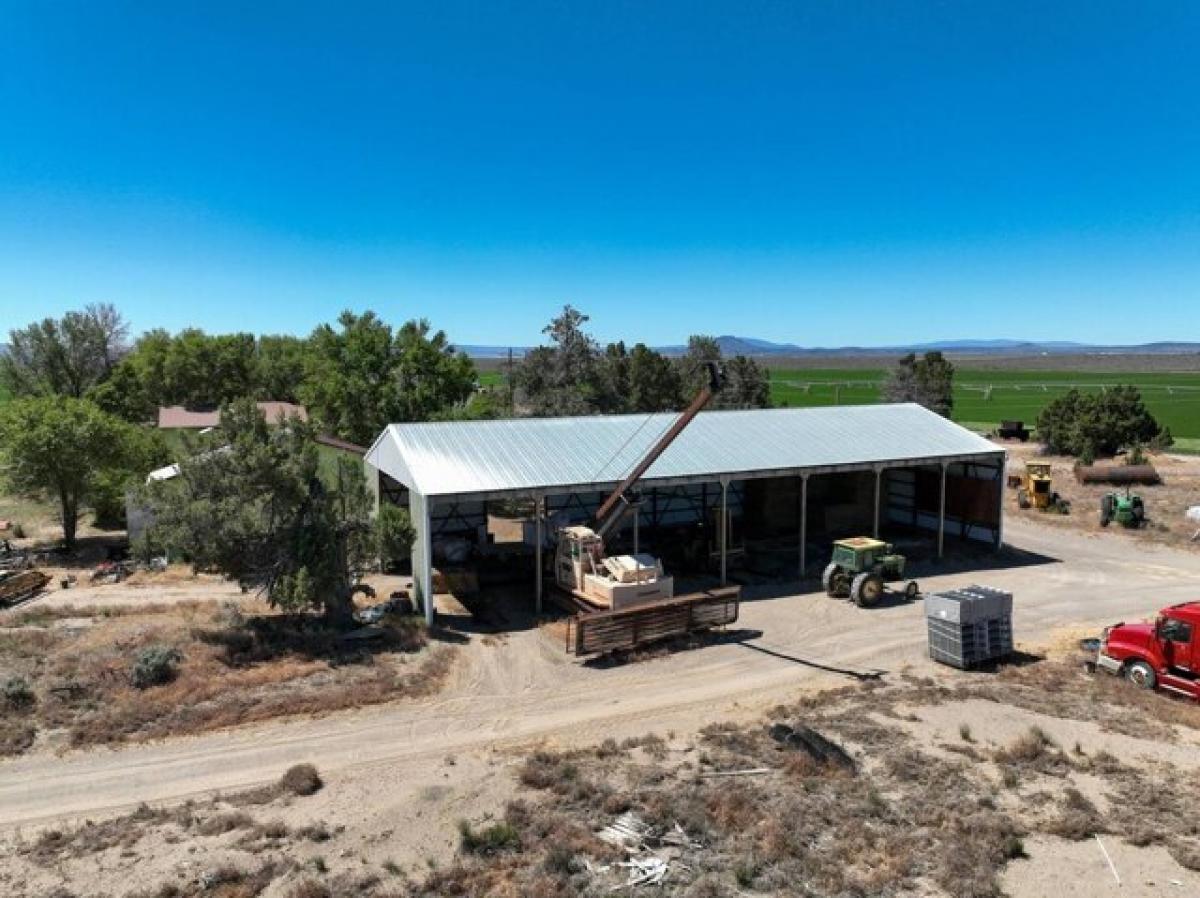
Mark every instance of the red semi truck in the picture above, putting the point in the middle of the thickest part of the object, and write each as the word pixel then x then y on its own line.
pixel 1164 654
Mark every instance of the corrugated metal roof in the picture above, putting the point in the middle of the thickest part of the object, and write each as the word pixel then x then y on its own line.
pixel 523 454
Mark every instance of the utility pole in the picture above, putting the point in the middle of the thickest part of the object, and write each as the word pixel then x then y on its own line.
pixel 511 412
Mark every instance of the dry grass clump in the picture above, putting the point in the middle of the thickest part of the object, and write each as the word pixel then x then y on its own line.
pixel 146 672
pixel 299 779
pixel 1034 751
pixel 309 888
pixel 547 770
pixel 16 734
pixel 224 881
pixel 1076 818
pixel 119 832
pixel 219 824
pixel 491 839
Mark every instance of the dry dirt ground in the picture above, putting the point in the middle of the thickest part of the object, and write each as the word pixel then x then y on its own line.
pixel 400 776
pixel 1166 502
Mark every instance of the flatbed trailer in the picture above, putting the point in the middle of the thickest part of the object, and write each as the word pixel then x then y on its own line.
pixel 592 632
pixel 20 586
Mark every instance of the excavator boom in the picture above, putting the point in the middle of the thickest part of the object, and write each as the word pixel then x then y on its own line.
pixel 613 508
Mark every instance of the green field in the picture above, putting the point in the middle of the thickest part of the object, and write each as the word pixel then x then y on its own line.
pixel 983 398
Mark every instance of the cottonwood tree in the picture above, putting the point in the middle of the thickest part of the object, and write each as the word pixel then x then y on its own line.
pixel 190 368
pixel 429 374
pixel 360 377
pixel 67 451
pixel 279 367
pixel 255 505
pixel 64 357
pixel 928 380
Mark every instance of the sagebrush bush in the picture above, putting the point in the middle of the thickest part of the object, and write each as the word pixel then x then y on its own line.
pixel 16 694
pixel 498 837
pixel 155 665
pixel 302 779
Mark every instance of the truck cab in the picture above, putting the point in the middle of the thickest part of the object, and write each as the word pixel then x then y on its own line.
pixel 1163 654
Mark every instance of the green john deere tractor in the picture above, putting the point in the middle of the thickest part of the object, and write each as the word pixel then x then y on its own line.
pixel 859 568
pixel 1128 510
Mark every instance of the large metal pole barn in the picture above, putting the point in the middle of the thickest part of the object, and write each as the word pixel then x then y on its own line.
pixel 448 471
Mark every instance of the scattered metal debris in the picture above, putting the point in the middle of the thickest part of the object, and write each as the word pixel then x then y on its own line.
pixel 749 771
pixel 375 613
pixel 643 871
pixel 628 831
pixel 652 855
pixel 1111 865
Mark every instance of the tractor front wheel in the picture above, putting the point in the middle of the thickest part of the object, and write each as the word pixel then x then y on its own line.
pixel 1141 674
pixel 911 590
pixel 1106 510
pixel 866 590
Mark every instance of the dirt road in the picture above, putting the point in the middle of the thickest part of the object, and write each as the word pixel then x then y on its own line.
pixel 521 687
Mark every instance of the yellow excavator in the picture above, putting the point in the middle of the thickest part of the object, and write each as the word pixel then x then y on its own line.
pixel 583 568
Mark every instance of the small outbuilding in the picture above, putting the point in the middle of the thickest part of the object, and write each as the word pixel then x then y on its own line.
pixel 788 478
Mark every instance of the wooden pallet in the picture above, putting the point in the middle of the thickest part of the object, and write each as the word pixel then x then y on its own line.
pixel 596 632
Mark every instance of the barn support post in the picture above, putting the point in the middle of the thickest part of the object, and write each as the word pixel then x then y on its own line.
pixel 878 484
pixel 637 515
pixel 1000 505
pixel 539 514
pixel 803 525
pixel 942 514
pixel 422 552
pixel 724 527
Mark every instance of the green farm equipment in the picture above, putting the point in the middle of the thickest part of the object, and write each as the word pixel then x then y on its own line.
pixel 859 568
pixel 1128 510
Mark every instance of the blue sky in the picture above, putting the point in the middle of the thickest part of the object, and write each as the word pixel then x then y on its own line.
pixel 822 173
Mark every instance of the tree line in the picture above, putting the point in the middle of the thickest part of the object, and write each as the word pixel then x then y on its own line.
pixel 355 375
pixel 83 392
pixel 573 375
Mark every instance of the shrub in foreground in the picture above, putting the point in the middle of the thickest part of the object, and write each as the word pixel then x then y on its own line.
pixel 155 665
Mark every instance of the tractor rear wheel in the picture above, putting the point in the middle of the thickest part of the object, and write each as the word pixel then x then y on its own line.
pixel 834 580
pixel 866 589
pixel 1139 512
pixel 1022 497
pixel 1106 510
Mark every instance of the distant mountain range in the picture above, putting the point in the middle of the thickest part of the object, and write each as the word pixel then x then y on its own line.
pixel 731 345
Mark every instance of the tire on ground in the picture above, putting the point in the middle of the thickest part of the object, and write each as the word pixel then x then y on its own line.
pixel 830 579
pixel 1141 674
pixel 866 589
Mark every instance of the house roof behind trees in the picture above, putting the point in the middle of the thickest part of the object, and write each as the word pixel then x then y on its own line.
pixel 177 417
pixel 531 455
